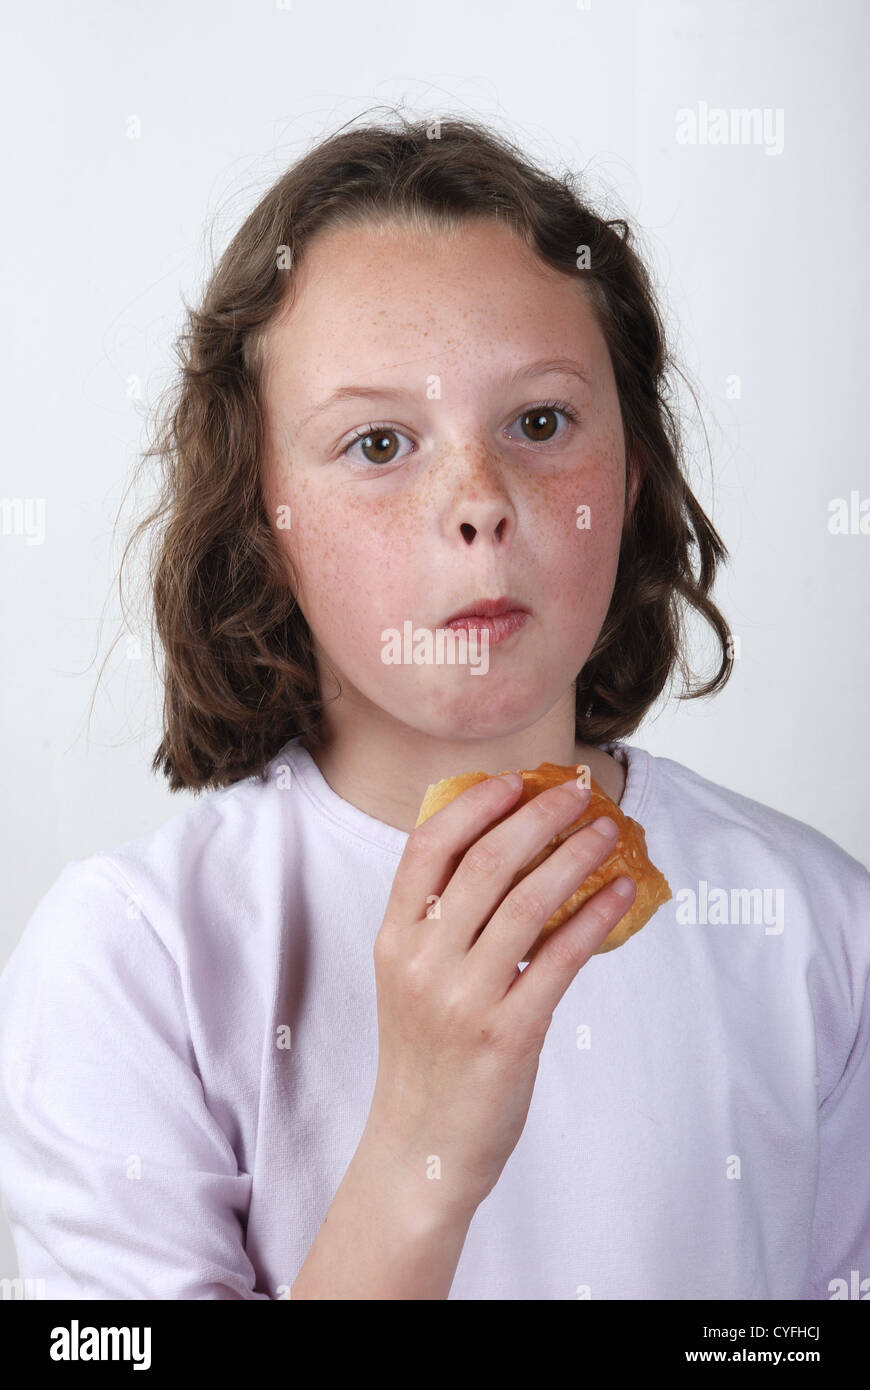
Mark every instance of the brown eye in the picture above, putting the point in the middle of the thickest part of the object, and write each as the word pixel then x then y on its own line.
pixel 383 449
pixel 378 445
pixel 540 423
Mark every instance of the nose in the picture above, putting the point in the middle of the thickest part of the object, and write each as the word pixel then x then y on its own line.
pixel 481 507
pixel 469 531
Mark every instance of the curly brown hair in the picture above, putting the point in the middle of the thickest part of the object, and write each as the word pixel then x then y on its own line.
pixel 240 677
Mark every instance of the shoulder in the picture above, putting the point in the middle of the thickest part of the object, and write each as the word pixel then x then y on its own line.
pixel 86 930
pixel 212 859
pixel 761 865
pixel 160 891
pixel 121 937
pixel 703 830
pixel 690 800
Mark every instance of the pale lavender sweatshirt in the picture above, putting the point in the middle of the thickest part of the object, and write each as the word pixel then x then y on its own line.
pixel 188 1050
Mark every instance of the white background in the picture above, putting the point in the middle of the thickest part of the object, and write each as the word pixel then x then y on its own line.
pixel 760 259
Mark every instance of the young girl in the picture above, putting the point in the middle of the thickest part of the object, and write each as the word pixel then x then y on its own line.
pixel 242 1057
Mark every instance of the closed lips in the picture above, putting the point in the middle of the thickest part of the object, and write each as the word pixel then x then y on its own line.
pixel 488 608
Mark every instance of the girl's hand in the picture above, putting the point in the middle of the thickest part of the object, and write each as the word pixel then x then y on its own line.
pixel 460 1027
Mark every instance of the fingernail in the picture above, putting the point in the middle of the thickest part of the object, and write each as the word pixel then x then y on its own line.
pixel 624 886
pixel 513 779
pixel 605 826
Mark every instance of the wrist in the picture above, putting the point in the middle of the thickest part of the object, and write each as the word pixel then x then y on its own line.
pixel 417 1197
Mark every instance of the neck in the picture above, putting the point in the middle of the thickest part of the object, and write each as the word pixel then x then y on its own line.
pixel 383 767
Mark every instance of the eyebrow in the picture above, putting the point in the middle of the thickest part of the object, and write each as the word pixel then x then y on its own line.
pixel 549 366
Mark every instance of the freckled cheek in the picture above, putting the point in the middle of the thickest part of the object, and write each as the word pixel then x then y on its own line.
pixel 583 539
pixel 316 542
pixel 349 573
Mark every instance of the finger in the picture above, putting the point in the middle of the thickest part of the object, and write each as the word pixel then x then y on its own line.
pixel 546 978
pixel 435 847
pixel 481 882
pixel 526 909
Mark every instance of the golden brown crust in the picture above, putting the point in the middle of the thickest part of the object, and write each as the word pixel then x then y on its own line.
pixel 629 854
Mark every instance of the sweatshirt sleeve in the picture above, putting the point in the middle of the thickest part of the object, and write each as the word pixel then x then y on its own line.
pixel 839 1261
pixel 117 1181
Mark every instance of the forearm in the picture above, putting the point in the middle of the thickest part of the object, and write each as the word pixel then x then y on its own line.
pixel 384 1237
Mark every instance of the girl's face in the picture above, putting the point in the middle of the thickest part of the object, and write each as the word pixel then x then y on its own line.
pixel 467 488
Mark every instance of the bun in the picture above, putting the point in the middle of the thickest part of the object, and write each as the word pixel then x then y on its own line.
pixel 628 856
